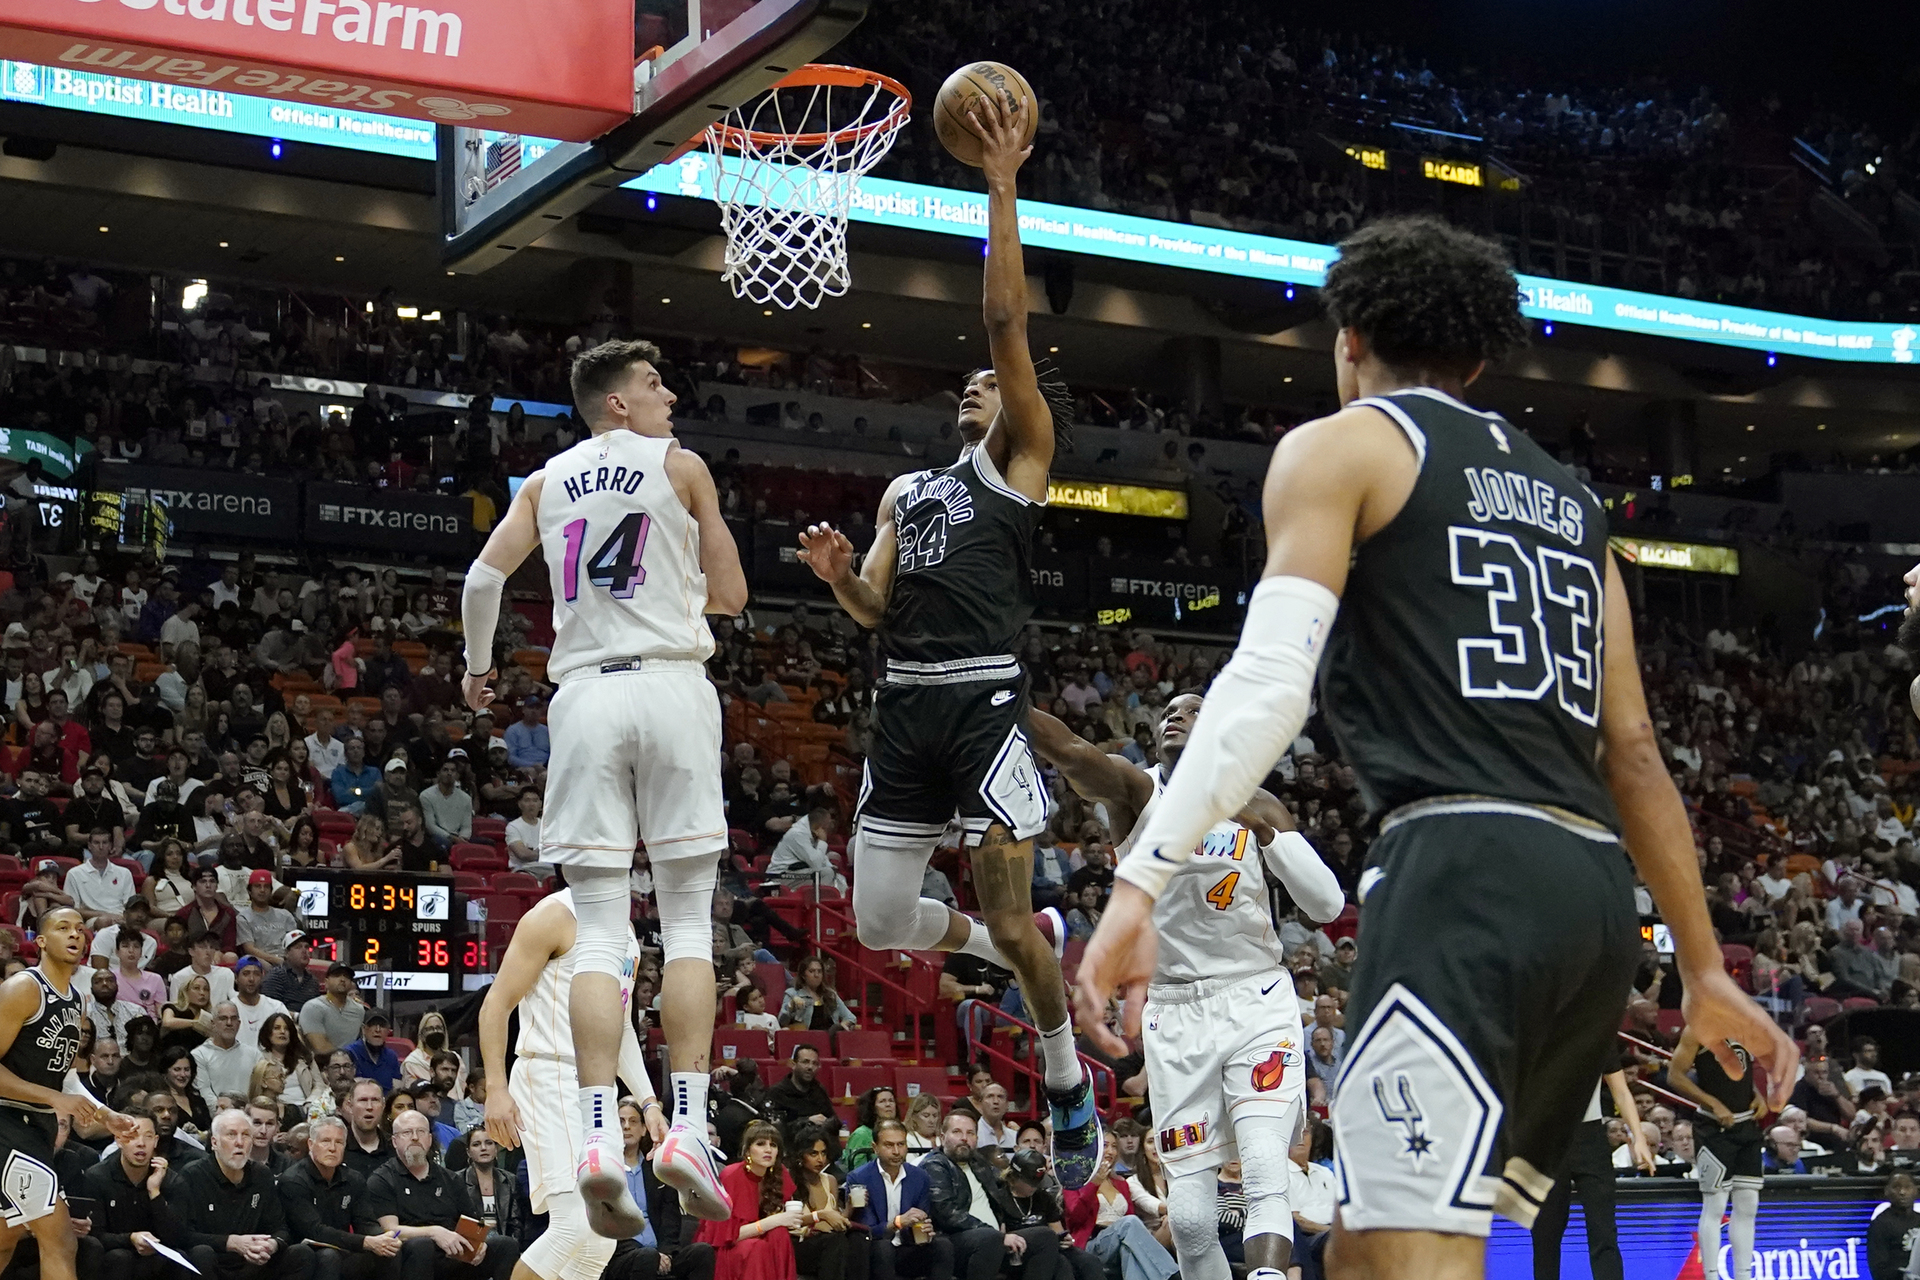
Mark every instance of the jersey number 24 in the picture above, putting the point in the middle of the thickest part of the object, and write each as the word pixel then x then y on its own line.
pixel 1544 610
pixel 615 566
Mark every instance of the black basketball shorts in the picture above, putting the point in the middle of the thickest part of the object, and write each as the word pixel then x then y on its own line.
pixel 1727 1158
pixel 950 740
pixel 1497 945
pixel 29 1188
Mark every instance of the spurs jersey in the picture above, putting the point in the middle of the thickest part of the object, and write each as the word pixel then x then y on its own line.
pixel 47 1043
pixel 623 555
pixel 546 1028
pixel 1214 920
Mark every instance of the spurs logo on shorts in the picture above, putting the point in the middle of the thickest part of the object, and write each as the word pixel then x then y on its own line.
pixel 1401 1105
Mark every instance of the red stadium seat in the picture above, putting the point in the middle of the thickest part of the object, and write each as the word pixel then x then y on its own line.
pixel 1854 1004
pixel 469 882
pixel 786 1043
pixel 911 1082
pixel 772 1071
pixel 490 831
pixel 1671 1023
pixel 771 977
pixel 731 1043
pixel 504 907
pixel 1820 1008
pixel 851 1082
pixel 476 857
pixel 863 1046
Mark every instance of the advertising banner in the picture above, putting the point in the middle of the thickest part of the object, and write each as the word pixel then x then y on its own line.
pixel 567 73
pixel 389 519
pixel 57 456
pixel 204 502
pixel 1118 499
pixel 1059 584
pixel 1689 557
pixel 1140 593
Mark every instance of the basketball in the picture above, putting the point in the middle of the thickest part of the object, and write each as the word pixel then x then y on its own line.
pixel 976 80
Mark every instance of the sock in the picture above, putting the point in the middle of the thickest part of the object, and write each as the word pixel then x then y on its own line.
pixel 600 1109
pixel 1063 1065
pixel 979 944
pixel 689 1099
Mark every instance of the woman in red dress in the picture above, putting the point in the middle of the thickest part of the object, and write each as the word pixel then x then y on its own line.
pixel 756 1243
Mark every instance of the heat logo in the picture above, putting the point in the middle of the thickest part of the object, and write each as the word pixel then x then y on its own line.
pixel 1270 1074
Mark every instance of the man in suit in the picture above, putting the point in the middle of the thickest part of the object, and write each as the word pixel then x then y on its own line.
pixel 971 1204
pixel 897 1197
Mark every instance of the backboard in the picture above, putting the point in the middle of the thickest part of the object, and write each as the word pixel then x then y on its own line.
pixel 694 61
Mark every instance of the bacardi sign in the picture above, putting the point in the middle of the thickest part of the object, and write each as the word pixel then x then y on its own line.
pixel 560 73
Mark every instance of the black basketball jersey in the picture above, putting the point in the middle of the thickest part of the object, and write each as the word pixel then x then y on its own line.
pixel 1717 1084
pixel 1466 656
pixel 47 1043
pixel 962 586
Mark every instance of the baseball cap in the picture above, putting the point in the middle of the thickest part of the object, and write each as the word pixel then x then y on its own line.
pixel 259 877
pixel 248 962
pixel 294 936
pixel 531 700
pixel 375 1019
pixel 1348 943
pixel 1029 1166
pixel 46 864
pixel 17 631
pixel 207 871
pixel 63 577
pixel 339 969
pixel 456 753
pixel 396 765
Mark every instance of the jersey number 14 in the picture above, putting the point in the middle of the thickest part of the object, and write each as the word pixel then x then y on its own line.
pixel 1544 611
pixel 615 566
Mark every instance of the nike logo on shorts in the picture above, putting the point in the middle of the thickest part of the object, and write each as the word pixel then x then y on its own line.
pixel 1002 698
pixel 1271 985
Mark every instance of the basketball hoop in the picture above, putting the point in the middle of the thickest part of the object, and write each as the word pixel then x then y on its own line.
pixel 784 201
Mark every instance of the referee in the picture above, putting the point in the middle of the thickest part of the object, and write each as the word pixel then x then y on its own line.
pixel 1587 1171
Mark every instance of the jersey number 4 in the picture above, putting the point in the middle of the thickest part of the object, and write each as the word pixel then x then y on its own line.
pixel 615 566
pixel 1544 611
pixel 1221 895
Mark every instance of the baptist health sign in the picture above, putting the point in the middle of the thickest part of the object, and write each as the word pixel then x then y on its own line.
pixel 964 213
pixel 209 109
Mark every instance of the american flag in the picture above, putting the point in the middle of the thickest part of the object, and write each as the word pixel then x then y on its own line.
pixel 503 160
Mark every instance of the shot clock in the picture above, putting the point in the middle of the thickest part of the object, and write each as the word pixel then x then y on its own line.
pixel 412 927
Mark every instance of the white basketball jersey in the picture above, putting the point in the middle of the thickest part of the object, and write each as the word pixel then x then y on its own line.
pixel 1214 920
pixel 623 554
pixel 546 1028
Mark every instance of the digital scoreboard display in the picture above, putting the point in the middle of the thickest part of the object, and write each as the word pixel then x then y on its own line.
pixel 404 931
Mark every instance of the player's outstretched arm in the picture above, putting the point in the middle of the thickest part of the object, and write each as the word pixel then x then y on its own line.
pixel 1092 773
pixel 511 541
pixel 1293 859
pixel 719 554
pixel 1660 841
pixel 538 938
pixel 1021 439
pixel 830 555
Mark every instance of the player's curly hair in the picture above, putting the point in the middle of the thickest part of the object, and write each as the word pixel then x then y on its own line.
pixel 1426 294
pixel 1058 395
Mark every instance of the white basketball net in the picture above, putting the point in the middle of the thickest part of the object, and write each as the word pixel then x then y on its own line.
pixel 784 202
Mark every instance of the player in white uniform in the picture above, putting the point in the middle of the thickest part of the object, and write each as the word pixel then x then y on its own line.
pixel 538 1110
pixel 638 554
pixel 1226 1058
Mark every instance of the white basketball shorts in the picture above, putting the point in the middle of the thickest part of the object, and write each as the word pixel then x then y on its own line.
pixel 1218 1051
pixel 636 757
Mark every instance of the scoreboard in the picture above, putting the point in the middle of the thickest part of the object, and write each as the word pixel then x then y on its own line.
pixel 406 930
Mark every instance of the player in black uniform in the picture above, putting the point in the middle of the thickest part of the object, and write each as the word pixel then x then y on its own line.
pixel 40 1017
pixel 946 584
pixel 1479 673
pixel 1727 1147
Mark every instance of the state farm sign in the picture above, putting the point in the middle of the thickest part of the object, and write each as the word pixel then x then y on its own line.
pixel 560 71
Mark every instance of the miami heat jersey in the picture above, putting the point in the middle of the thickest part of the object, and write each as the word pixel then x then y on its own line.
pixel 546 1027
pixel 1213 920
pixel 623 554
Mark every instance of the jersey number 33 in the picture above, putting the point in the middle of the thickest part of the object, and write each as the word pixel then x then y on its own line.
pixel 1543 614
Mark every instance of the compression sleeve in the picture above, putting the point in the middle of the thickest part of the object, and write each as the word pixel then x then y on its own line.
pixel 1253 712
pixel 480 614
pixel 1307 878
pixel 633 1063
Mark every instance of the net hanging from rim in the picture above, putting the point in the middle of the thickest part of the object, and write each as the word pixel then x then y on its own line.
pixel 802 148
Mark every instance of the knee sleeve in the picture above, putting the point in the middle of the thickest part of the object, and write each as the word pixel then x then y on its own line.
pixel 887 906
pixel 683 890
pixel 568 1249
pixel 601 911
pixel 1193 1208
pixel 1746 1208
pixel 1713 1206
pixel 1264 1142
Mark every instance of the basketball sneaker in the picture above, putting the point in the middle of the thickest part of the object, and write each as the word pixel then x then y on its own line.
pixel 1052 928
pixel 1077 1136
pixel 685 1163
pixel 602 1178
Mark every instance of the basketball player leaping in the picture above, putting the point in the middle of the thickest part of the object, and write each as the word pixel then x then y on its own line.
pixel 1479 673
pixel 40 1019
pixel 534 978
pixel 1225 1055
pixel 637 553
pixel 946 585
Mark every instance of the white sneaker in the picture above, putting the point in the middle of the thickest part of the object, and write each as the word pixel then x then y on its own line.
pixel 685 1163
pixel 602 1179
